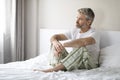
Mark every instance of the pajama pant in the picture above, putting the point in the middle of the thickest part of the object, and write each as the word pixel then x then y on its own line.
pixel 79 58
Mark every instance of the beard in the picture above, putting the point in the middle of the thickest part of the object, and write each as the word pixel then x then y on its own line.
pixel 79 26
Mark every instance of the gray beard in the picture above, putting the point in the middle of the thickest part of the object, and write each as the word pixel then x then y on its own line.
pixel 80 26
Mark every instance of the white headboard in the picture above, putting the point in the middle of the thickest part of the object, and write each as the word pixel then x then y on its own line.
pixel 45 35
pixel 107 38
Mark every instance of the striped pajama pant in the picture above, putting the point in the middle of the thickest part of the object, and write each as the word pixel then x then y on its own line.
pixel 79 58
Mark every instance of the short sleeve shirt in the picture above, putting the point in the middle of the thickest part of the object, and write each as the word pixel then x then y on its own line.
pixel 94 48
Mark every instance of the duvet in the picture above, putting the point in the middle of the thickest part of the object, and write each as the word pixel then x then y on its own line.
pixel 24 71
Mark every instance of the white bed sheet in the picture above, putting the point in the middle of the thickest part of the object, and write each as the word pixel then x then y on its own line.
pixel 24 71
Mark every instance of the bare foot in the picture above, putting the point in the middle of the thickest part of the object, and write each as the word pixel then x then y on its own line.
pixel 36 70
pixel 56 68
pixel 48 70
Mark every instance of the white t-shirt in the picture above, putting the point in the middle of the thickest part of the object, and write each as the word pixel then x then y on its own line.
pixel 94 48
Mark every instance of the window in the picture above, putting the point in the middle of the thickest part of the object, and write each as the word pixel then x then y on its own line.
pixel 2 16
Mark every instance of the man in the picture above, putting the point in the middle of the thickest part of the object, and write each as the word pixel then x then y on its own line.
pixel 83 41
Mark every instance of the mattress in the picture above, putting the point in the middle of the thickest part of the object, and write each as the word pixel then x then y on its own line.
pixel 23 70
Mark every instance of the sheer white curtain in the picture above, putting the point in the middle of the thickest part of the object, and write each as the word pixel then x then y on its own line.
pixel 2 27
pixel 12 31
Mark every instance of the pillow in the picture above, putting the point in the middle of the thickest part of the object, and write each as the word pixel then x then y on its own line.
pixel 110 56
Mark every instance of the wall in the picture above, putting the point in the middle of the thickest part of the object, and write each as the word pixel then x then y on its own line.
pixel 62 13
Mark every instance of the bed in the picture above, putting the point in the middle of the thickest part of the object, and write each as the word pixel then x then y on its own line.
pixel 108 70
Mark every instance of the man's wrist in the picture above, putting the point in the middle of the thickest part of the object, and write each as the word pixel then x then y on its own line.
pixel 63 44
pixel 54 41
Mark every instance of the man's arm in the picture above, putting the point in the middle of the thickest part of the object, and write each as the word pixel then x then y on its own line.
pixel 55 41
pixel 58 37
pixel 80 42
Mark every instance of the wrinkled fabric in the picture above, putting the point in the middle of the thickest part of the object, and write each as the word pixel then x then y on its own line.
pixel 79 58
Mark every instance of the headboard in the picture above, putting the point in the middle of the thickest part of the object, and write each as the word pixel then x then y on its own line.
pixel 107 38
pixel 45 35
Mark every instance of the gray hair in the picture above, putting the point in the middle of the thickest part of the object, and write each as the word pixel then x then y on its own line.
pixel 88 12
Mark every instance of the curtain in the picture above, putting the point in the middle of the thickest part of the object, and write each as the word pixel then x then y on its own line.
pixel 7 33
pixel 20 30
pixel 2 27
pixel 14 31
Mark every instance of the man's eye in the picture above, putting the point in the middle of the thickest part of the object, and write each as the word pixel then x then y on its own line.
pixel 79 19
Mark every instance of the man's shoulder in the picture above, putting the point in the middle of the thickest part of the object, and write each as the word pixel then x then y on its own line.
pixel 75 30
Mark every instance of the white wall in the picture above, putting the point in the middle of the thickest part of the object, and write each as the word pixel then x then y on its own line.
pixel 62 13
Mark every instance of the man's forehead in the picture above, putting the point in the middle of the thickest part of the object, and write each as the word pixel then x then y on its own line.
pixel 80 15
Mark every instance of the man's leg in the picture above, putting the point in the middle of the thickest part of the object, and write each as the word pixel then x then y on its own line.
pixel 56 68
pixel 78 58
pixel 55 60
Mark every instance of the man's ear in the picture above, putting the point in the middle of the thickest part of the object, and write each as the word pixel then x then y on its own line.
pixel 89 22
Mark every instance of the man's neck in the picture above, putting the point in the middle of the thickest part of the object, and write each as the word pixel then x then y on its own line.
pixel 83 30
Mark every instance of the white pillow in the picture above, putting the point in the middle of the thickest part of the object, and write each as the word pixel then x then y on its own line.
pixel 110 56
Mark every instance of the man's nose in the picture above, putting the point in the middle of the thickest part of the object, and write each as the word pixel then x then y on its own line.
pixel 77 21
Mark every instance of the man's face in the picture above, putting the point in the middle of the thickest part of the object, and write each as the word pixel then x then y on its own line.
pixel 81 21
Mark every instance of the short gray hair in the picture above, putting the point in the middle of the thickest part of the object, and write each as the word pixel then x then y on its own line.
pixel 88 12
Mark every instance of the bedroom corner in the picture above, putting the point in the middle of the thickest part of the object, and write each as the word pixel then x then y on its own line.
pixel 26 28
pixel 18 30
pixel 32 15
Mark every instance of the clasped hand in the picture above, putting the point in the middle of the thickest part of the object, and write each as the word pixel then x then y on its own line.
pixel 58 48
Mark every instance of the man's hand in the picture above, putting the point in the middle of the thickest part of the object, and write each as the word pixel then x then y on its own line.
pixel 58 47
